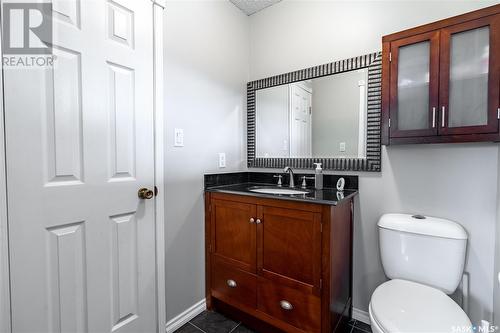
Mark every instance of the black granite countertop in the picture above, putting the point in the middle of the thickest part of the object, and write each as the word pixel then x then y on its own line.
pixel 325 196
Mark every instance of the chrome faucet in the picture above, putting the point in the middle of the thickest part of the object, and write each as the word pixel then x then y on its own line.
pixel 290 172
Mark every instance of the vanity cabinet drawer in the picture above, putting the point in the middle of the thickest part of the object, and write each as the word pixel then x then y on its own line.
pixel 233 285
pixel 297 308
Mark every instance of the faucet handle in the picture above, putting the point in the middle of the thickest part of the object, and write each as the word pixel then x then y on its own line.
pixel 280 179
pixel 304 183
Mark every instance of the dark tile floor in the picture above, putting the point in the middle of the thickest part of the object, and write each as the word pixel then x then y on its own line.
pixel 213 322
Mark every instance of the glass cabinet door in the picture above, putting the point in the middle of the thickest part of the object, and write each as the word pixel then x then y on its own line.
pixel 469 81
pixel 414 85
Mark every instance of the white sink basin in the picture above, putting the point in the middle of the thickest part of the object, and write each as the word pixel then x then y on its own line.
pixel 277 190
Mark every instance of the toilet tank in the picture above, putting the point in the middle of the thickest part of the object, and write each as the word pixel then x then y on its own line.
pixel 423 249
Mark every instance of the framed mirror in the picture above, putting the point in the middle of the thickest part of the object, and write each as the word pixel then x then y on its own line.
pixel 329 113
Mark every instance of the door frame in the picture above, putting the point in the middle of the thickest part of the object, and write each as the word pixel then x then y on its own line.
pixel 5 314
pixel 157 7
pixel 159 161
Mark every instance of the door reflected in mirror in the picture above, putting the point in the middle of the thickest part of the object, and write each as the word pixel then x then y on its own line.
pixel 318 118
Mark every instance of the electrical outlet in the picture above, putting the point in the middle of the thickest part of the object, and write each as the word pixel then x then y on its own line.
pixel 342 147
pixel 222 160
pixel 178 137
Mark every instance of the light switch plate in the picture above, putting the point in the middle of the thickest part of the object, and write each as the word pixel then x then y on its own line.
pixel 178 137
pixel 222 160
pixel 342 147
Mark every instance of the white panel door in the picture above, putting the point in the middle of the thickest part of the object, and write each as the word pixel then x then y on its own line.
pixel 300 121
pixel 79 143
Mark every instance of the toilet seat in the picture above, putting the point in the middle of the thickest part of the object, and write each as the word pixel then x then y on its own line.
pixel 410 307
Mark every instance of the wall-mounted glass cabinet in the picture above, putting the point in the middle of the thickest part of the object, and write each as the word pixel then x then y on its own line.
pixel 441 81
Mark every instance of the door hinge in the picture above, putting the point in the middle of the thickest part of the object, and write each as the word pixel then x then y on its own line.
pixel 320 283
pixel 210 248
pixel 321 227
pixel 390 56
pixel 389 122
pixel 498 113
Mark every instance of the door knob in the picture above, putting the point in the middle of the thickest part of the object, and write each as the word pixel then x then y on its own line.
pixel 145 193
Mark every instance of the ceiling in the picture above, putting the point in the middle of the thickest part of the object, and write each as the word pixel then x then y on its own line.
pixel 250 7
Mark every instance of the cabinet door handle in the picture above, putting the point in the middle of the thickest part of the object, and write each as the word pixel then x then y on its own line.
pixel 258 221
pixel 434 117
pixel 285 305
pixel 252 220
pixel 231 283
pixel 443 116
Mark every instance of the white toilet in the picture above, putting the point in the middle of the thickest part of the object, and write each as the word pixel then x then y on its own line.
pixel 424 257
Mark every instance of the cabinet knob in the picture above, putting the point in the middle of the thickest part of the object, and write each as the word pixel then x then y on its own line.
pixel 231 283
pixel 258 221
pixel 285 305
pixel 252 220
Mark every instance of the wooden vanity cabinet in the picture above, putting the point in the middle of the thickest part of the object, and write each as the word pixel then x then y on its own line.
pixel 282 263
pixel 441 81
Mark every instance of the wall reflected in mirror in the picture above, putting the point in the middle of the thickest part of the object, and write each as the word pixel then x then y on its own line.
pixel 321 117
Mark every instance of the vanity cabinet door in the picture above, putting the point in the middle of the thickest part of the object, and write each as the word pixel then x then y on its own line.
pixel 469 78
pixel 289 247
pixel 233 233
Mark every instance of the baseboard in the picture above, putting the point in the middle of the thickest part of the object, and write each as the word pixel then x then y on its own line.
pixel 181 319
pixel 361 315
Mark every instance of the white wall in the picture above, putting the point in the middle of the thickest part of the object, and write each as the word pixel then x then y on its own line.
pixel 452 181
pixel 206 68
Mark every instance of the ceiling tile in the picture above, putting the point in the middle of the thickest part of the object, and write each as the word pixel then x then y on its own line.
pixel 250 7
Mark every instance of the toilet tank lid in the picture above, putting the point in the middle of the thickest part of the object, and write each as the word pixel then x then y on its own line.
pixel 423 225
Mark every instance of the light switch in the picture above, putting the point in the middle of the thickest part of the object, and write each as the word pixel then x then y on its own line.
pixel 222 160
pixel 342 147
pixel 178 137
